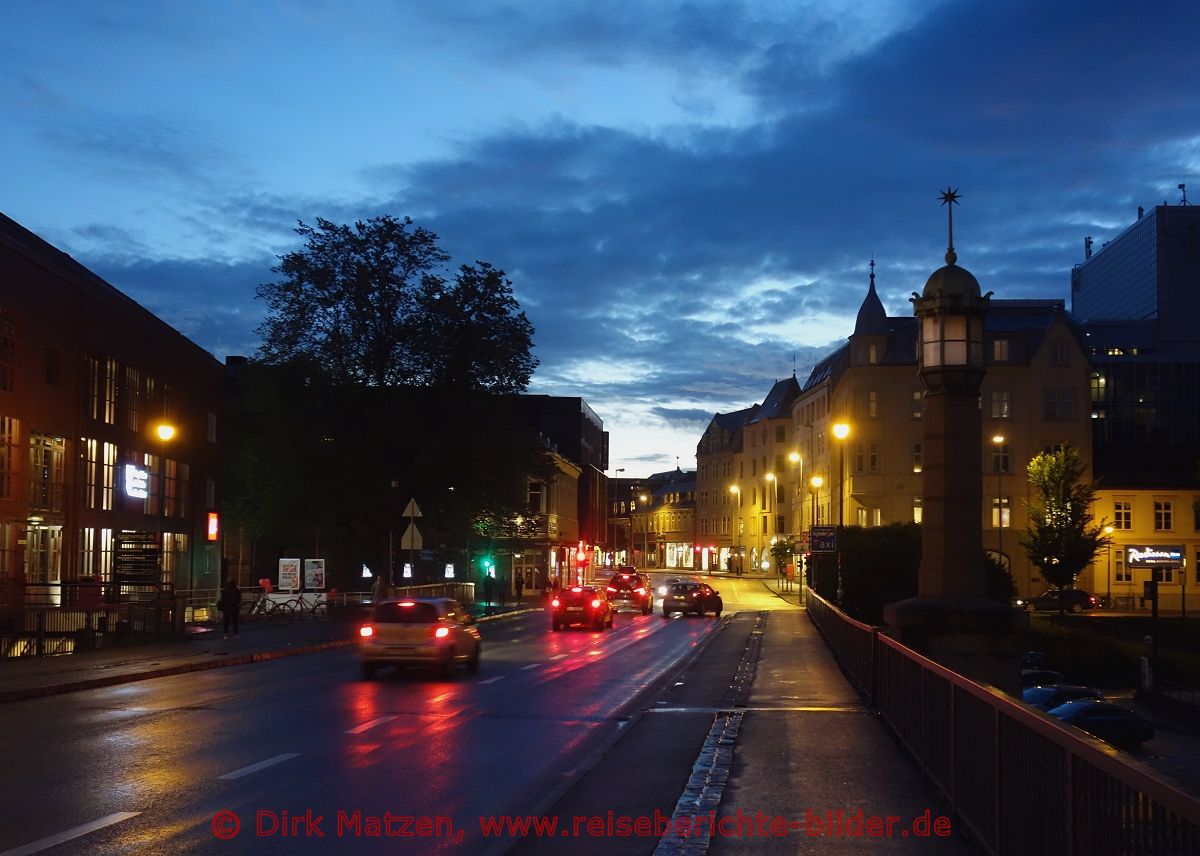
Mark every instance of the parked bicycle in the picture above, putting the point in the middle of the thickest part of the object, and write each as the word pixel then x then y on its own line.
pixel 301 606
pixel 275 610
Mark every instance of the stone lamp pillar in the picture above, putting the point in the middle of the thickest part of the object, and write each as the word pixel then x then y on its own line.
pixel 951 620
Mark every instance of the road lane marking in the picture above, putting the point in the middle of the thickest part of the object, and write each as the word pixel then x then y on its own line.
pixel 492 680
pixel 261 765
pixel 74 832
pixel 560 656
pixel 531 666
pixel 359 729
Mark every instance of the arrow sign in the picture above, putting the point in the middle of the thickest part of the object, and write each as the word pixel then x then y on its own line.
pixel 411 539
pixel 411 509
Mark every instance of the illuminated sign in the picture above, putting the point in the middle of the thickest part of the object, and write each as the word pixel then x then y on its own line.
pixel 137 482
pixel 214 526
pixel 1156 556
pixel 449 572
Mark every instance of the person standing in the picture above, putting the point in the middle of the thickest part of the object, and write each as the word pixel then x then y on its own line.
pixel 520 584
pixel 230 604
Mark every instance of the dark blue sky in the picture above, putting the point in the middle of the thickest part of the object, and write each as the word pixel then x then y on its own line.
pixel 684 194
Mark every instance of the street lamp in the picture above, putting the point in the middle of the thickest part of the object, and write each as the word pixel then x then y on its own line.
pixel 841 431
pixel 816 482
pixel 1108 531
pixel 165 432
pixel 645 533
pixel 737 529
pixel 796 458
pixel 998 442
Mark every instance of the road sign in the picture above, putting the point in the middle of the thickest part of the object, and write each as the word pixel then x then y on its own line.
pixel 411 509
pixel 412 538
pixel 824 539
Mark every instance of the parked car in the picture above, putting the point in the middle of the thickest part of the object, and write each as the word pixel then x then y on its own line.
pixel 1073 600
pixel 1047 697
pixel 631 590
pixel 694 597
pixel 1110 722
pixel 1040 677
pixel 586 605
pixel 419 631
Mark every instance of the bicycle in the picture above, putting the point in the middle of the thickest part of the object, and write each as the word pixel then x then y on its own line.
pixel 272 609
pixel 299 606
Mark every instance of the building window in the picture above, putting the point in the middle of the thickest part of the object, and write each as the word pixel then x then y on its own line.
pixel 917 458
pixel 1164 575
pixel 876 517
pixel 133 399
pixel 918 404
pixel 1122 572
pixel 1059 404
pixel 1058 353
pixel 862 517
pixel 1001 513
pixel 46 471
pixel 916 506
pixel 92 390
pixel 10 456
pixel 91 470
pixel 858 457
pixel 8 352
pixel 106 555
pixel 1000 350
pixel 1196 565
pixel 873 404
pixel 1122 514
pixel 108 476
pixel 780 523
pixel 873 457
pixel 1001 402
pixel 1000 458
pixel 536 497
pixel 87 551
pixel 1162 515
pixel 110 391
pixel 780 433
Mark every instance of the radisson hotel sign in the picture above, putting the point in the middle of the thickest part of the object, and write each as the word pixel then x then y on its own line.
pixel 1154 556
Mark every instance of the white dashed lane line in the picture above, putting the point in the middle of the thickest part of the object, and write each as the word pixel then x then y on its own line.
pixel 72 833
pixel 261 765
pixel 492 680
pixel 366 726
pixel 530 666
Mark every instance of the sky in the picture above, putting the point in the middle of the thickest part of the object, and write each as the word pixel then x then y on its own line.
pixel 685 195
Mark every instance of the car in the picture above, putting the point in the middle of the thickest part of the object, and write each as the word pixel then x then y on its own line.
pixel 419 631
pixel 629 589
pixel 1073 600
pixel 694 597
pixel 1047 697
pixel 1110 722
pixel 1040 678
pixel 586 605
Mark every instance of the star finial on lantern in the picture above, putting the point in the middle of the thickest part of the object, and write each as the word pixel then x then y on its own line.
pixel 950 198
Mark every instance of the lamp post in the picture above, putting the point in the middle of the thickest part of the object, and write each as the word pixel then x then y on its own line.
pixel 998 442
pixel 645 533
pixel 841 431
pixel 611 519
pixel 769 509
pixel 1108 531
pixel 737 529
pixel 165 432
pixel 796 458
pixel 816 482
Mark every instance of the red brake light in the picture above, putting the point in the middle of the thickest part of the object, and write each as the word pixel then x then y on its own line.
pixel 441 632
pixel 610 588
pixel 640 590
pixel 596 603
pixel 624 576
pixel 695 594
pixel 366 630
pixel 577 589
pixel 554 602
pixel 406 603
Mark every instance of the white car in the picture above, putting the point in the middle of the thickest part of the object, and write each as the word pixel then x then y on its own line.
pixel 419 631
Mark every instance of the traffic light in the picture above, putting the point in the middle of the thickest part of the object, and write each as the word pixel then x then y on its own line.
pixel 488 565
pixel 581 556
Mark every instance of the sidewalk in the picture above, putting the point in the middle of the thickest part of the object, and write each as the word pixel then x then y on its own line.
pixel 203 647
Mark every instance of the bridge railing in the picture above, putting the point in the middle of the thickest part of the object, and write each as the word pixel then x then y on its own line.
pixel 1017 780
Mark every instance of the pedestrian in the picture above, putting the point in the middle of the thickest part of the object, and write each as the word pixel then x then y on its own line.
pixel 230 605
pixel 520 583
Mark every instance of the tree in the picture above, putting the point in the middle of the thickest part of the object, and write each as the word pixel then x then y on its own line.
pixel 348 299
pixel 472 334
pixel 1061 538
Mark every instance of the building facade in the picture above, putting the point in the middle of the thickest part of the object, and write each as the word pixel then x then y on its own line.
pixel 89 488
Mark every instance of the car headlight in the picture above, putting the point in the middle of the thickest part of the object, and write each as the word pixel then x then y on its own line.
pixel 662 590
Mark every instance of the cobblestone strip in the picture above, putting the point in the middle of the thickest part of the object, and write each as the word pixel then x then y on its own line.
pixel 702 795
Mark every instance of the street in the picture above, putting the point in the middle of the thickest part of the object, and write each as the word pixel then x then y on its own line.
pixel 153 765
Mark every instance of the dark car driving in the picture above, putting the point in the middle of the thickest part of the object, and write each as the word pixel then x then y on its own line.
pixel 630 590
pixel 1050 697
pixel 1073 600
pixel 583 605
pixel 1110 722
pixel 692 597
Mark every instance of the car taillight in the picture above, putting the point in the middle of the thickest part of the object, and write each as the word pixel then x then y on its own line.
pixel 554 603
pixel 577 589
pixel 441 632
pixel 596 604
pixel 640 590
pixel 610 588
pixel 695 594
pixel 366 630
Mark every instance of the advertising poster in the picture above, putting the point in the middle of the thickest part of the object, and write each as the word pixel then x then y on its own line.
pixel 314 574
pixel 289 574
